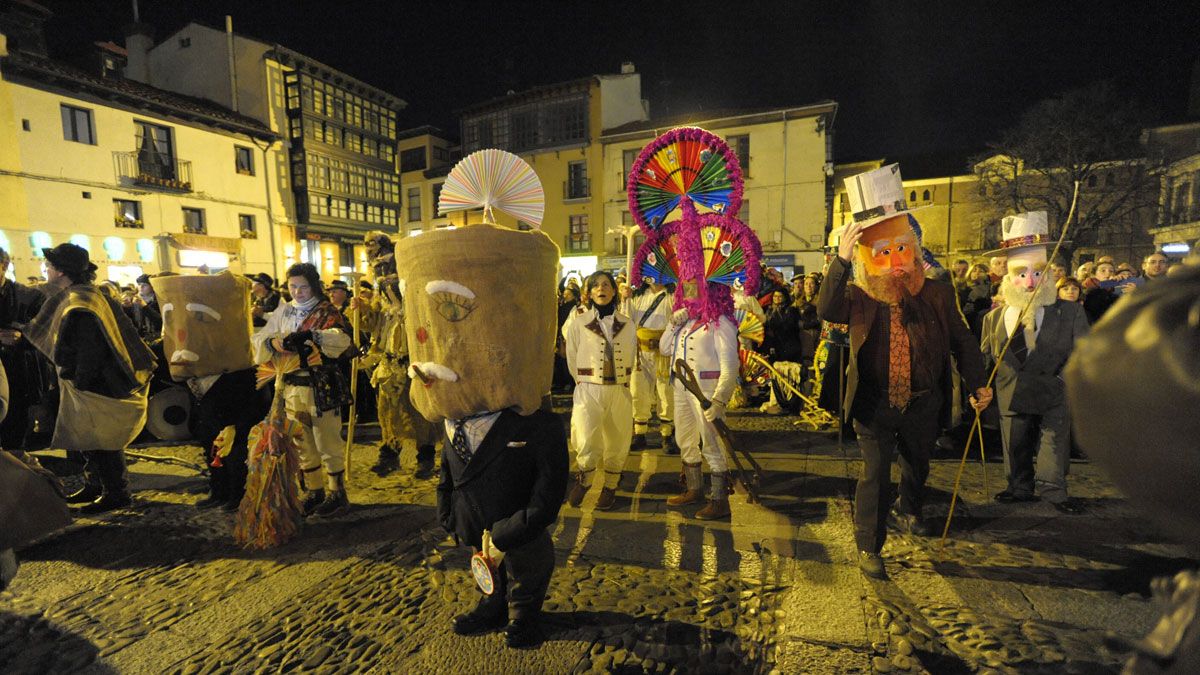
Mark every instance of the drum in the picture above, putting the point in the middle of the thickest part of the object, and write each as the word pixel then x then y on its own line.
pixel 168 412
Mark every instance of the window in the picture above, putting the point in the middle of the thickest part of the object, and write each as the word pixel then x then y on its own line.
pixel 246 226
pixel 441 154
pixel 128 213
pixel 184 43
pixel 412 159
pixel 577 182
pixel 925 196
pixel 912 197
pixel 628 157
pixel 414 204
pixel 580 238
pixel 741 147
pixel 193 221
pixel 77 125
pixel 244 160
pixel 155 152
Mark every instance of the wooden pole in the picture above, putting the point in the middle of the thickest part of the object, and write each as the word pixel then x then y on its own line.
pixel 353 421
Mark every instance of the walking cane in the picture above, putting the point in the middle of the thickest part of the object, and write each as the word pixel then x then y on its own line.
pixel 353 420
pixel 687 377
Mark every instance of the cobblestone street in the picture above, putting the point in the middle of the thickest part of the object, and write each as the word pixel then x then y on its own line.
pixel 161 588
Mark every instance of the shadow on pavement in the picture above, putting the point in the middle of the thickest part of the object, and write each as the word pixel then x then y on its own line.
pixel 44 648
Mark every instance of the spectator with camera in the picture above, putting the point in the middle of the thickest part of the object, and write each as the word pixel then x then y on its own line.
pixel 307 330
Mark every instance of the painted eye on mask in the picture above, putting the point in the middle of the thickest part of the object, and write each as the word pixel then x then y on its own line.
pixel 452 306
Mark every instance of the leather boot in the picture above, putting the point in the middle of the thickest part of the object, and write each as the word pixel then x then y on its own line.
pixel 336 503
pixel 425 462
pixel 718 500
pixel 113 481
pixel 693 479
pixel 578 490
pixel 389 461
pixel 91 481
pixel 638 442
pixel 669 445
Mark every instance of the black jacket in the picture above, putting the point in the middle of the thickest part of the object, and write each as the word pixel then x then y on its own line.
pixel 513 485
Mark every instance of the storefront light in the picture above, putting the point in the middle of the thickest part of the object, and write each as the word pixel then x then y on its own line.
pixel 82 241
pixel 213 260
pixel 114 248
pixel 1175 248
pixel 145 249
pixel 39 241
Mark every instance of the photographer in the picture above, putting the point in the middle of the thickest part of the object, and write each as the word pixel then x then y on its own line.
pixel 309 326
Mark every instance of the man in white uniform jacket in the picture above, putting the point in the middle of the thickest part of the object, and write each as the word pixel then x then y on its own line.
pixel 711 350
pixel 650 310
pixel 601 349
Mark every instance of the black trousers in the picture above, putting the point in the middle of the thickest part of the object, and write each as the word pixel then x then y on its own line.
pixel 106 468
pixel 912 433
pixel 523 579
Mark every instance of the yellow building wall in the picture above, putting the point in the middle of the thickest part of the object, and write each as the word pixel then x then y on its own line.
pixel 56 173
pixel 14 210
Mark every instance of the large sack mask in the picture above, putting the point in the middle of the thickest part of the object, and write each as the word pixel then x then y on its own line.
pixel 481 314
pixel 206 323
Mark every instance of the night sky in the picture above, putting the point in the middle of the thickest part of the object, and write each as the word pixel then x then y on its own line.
pixel 910 79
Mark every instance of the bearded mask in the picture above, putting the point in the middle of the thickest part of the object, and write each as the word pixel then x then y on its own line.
pixel 1026 267
pixel 206 323
pixel 481 315
pixel 887 261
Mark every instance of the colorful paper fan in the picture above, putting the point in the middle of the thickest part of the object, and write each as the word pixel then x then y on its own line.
pixel 285 363
pixel 687 161
pixel 749 325
pixel 657 260
pixel 731 251
pixel 753 368
pixel 494 180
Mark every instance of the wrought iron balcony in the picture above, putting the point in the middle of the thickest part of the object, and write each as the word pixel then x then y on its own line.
pixel 155 170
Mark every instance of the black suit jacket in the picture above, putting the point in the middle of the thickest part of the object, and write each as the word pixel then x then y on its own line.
pixel 514 484
pixel 840 302
pixel 1034 385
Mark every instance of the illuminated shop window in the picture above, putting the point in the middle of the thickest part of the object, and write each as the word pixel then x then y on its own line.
pixel 39 241
pixel 82 241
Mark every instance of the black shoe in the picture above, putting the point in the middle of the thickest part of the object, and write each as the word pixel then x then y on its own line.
pixel 312 499
pixel 522 633
pixel 669 446
pixel 426 468
pixel 638 442
pixel 108 501
pixel 1071 507
pixel 86 494
pixel 871 565
pixel 335 504
pixel 212 501
pixel 907 523
pixel 1010 497
pixel 388 462
pixel 477 621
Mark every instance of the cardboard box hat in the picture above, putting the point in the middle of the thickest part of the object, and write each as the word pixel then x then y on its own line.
pixel 1023 231
pixel 877 195
pixel 206 323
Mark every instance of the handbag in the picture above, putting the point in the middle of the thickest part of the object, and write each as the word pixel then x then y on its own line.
pixel 331 391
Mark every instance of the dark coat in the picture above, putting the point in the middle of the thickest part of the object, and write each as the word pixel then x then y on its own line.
pixel 841 302
pixel 1035 385
pixel 513 485
pixel 782 341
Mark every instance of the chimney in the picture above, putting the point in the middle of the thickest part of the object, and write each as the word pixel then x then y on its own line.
pixel 627 68
pixel 139 39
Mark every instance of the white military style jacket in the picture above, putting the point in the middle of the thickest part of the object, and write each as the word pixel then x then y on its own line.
pixel 710 350
pixel 650 317
pixel 596 347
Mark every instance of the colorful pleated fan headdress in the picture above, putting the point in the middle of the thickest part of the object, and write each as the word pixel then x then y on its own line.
pixel 680 172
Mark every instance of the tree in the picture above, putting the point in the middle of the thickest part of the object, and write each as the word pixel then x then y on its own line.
pixel 1090 136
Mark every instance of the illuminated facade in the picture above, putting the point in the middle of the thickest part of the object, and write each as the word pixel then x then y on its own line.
pixel 338 161
pixel 145 179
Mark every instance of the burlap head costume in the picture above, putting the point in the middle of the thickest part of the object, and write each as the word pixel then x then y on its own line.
pixel 480 300
pixel 206 323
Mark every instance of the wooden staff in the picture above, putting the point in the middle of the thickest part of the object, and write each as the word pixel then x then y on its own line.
pixel 357 330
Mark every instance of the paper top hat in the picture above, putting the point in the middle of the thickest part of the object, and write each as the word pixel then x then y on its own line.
pixel 877 195
pixel 1023 231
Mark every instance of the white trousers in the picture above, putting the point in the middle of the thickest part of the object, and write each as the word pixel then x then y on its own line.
pixel 601 428
pixel 649 389
pixel 321 444
pixel 691 429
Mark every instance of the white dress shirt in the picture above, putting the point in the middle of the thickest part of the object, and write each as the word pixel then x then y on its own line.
pixel 476 428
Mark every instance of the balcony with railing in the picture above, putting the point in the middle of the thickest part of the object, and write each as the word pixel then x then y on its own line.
pixel 155 170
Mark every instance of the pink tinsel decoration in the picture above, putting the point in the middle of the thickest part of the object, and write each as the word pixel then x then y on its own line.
pixel 713 141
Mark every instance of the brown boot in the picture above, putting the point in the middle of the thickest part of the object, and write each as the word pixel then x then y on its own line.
pixel 608 497
pixel 716 509
pixel 577 492
pixel 687 497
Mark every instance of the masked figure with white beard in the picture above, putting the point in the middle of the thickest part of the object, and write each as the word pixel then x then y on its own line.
pixel 1030 391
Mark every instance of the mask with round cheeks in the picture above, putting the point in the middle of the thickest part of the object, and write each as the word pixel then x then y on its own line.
pixel 206 323
pixel 888 245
